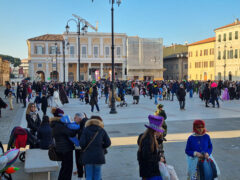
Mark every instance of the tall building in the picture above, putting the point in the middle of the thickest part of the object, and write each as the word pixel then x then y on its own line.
pixel 201 60
pixel 144 58
pixel 175 62
pixel 4 71
pixel 45 55
pixel 228 52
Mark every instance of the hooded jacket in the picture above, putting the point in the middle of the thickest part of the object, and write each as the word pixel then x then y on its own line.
pixel 94 154
pixel 61 134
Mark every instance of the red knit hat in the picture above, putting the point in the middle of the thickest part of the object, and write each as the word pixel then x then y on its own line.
pixel 198 123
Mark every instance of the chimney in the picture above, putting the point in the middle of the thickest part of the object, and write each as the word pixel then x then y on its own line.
pixel 236 21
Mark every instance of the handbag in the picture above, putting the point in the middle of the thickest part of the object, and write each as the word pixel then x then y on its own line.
pixel 206 169
pixel 95 135
pixel 52 153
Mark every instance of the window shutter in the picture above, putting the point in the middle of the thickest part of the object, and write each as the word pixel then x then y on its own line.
pixel 35 49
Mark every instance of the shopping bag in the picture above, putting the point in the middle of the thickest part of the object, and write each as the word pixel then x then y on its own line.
pixel 206 169
pixel 172 172
pixel 164 171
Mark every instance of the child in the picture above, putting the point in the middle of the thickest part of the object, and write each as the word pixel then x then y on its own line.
pixel 37 101
pixel 10 99
pixel 82 93
pixel 164 93
pixel 44 104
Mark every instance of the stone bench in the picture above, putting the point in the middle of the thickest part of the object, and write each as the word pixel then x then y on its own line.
pixel 38 163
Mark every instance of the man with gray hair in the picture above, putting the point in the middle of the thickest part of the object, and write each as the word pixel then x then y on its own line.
pixel 79 118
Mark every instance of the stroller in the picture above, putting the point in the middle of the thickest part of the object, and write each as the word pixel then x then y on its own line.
pixel 20 138
pixel 122 100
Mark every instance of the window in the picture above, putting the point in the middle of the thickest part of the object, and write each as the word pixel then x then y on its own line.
pixel 72 51
pixel 219 38
pixel 52 50
pixel 211 63
pixel 219 55
pixel 200 52
pixel 84 51
pixel 54 65
pixel 224 37
pixel 70 65
pixel 39 65
pixel 236 34
pixel 231 54
pixel 205 64
pixel 224 54
pixel 236 53
pixel 196 53
pixel 118 51
pixel 39 50
pixel 185 66
pixel 230 36
pixel 107 52
pixel 176 66
pixel 95 51
pixel 205 52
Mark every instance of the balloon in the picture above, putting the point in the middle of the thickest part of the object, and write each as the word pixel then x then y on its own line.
pixel 11 170
pixel 3 163
pixel 12 156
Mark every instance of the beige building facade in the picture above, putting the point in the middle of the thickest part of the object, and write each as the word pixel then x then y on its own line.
pixel 227 49
pixel 4 71
pixel 95 56
pixel 144 58
pixel 135 58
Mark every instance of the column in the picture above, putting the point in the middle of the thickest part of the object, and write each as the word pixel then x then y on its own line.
pixel 101 70
pixel 47 72
pixel 61 72
pixel 46 47
pixel 77 72
pixel 101 46
pixel 123 71
pixel 88 71
pixel 66 71
pixel 89 46
pixel 61 48
pixel 124 45
pixel 31 70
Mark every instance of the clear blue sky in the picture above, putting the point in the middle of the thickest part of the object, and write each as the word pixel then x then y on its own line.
pixel 176 21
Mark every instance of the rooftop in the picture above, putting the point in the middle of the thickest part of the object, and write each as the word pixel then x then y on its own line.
pixel 48 37
pixel 208 40
pixel 236 22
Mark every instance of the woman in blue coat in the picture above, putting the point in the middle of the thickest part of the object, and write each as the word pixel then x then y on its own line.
pixel 94 141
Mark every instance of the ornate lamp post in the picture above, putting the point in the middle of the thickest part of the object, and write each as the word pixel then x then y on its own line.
pixel 113 107
pixel 84 29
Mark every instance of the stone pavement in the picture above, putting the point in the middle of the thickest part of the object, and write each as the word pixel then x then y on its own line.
pixel 124 127
pixel 10 118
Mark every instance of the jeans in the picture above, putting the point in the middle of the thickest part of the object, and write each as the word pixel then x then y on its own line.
pixel 92 107
pixel 172 96
pixel 182 104
pixel 191 93
pixel 213 102
pixel 155 97
pixel 106 95
pixel 93 171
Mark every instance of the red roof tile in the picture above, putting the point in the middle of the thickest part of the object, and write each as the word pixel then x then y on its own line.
pixel 229 25
pixel 208 40
pixel 48 37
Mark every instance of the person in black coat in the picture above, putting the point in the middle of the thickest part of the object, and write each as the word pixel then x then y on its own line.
pixel 64 147
pixel 214 96
pixel 148 154
pixel 94 141
pixel 2 105
pixel 206 94
pixel 94 99
pixel 44 104
pixel 18 93
pixel 24 93
pixel 33 119
pixel 44 134
pixel 181 93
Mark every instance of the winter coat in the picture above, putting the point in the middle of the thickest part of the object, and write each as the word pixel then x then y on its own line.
pixel 155 91
pixel 50 92
pixel 61 134
pixel 135 91
pixel 33 121
pixel 44 103
pixel 2 103
pixel 56 99
pixel 214 93
pixel 63 96
pixel 181 93
pixel 206 93
pixel 94 154
pixel 37 100
pixel 94 97
pixel 44 134
pixel 148 160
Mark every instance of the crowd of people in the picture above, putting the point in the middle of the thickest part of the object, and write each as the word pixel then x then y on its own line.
pixel 87 137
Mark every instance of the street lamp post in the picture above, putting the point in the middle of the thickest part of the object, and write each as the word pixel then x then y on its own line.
pixel 63 43
pixel 225 57
pixel 113 107
pixel 84 29
pixel 56 51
